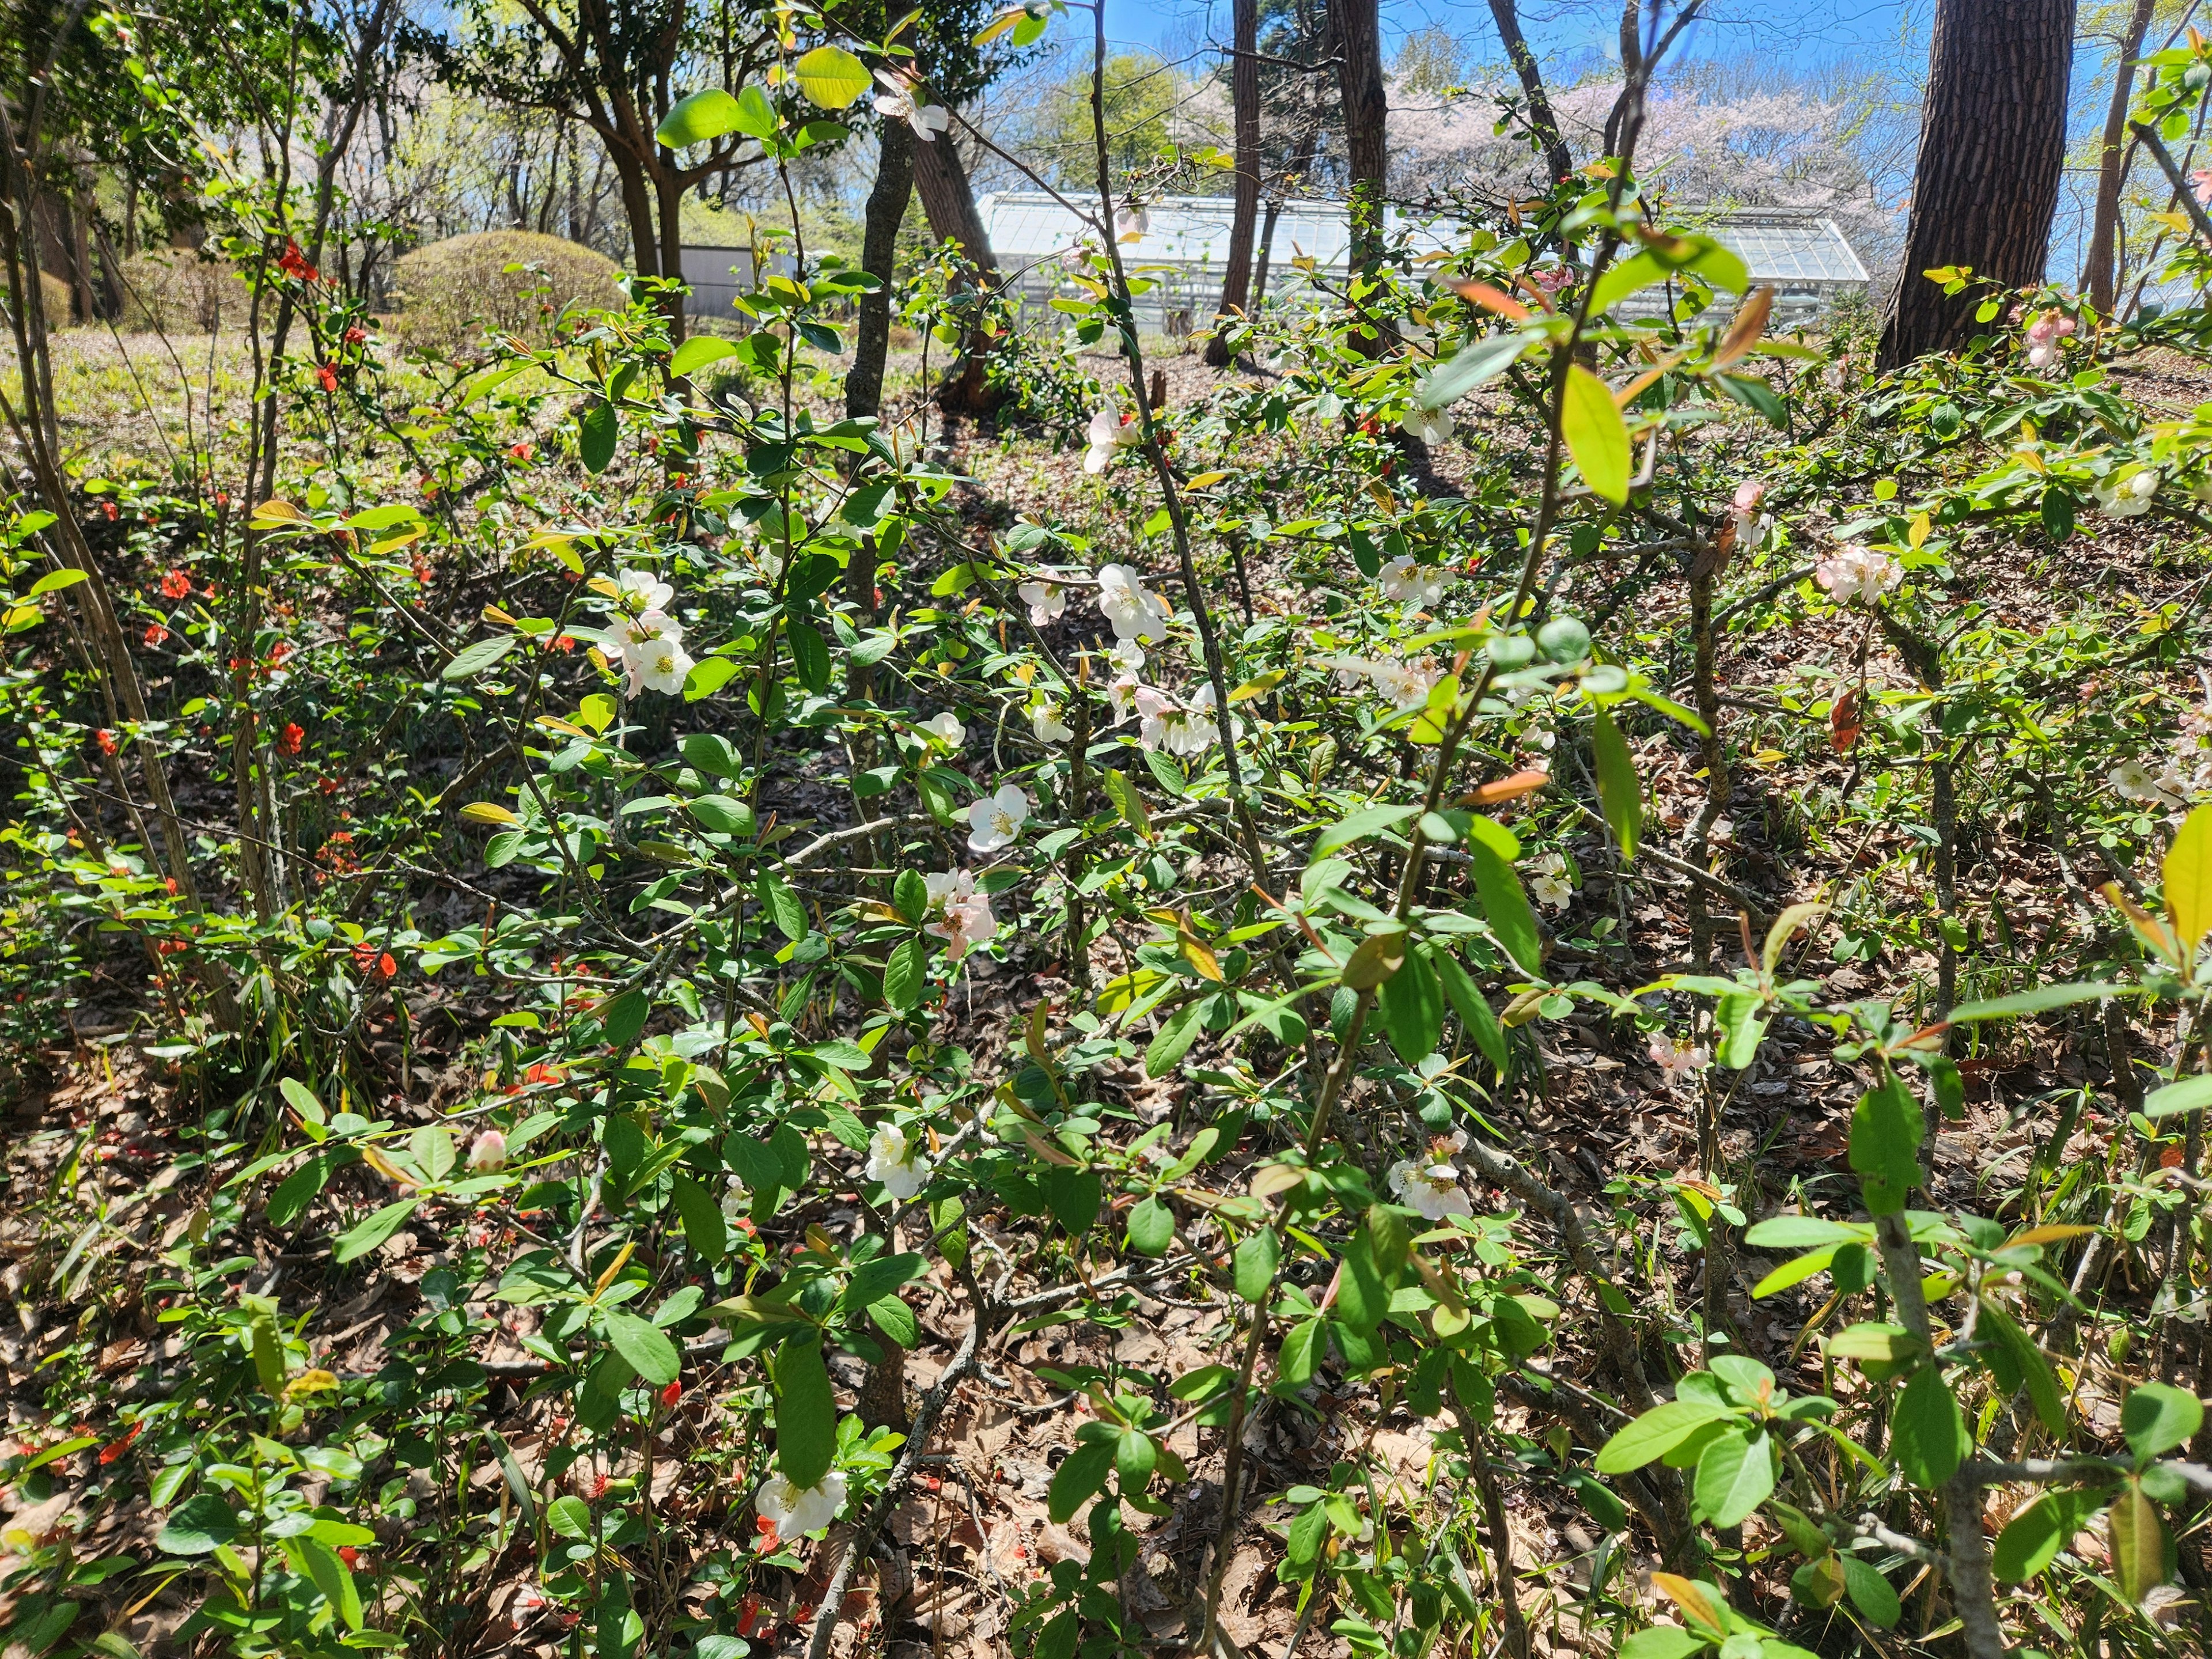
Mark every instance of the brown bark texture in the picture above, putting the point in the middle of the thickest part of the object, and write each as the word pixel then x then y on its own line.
pixel 2100 271
pixel 941 180
pixel 1244 91
pixel 1992 144
pixel 1366 112
pixel 886 211
pixel 1557 161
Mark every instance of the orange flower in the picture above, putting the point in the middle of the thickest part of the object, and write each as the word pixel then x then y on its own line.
pixel 175 585
pixel 155 634
pixel 328 375
pixel 105 738
pixel 290 742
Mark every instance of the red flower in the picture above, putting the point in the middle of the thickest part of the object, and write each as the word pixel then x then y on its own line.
pixel 155 634
pixel 111 511
pixel 349 1555
pixel 223 498
pixel 175 585
pixel 387 966
pixel 673 1393
pixel 328 375
pixel 293 263
pixel 521 452
pixel 539 1071
pixel 105 738
pixel 563 642
pixel 748 1612
pixel 290 742
pixel 356 335
pixel 115 1448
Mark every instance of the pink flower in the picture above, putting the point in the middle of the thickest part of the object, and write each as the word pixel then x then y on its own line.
pixel 2201 185
pixel 1749 494
pixel 487 1150
pixel 1677 1061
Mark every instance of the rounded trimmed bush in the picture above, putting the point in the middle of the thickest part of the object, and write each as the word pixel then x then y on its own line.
pixel 513 282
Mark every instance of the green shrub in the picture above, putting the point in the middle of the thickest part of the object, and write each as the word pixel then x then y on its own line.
pixel 515 282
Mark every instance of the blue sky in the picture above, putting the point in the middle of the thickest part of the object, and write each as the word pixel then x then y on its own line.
pixel 1805 31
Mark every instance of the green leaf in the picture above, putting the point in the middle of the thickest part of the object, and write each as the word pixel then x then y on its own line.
pixel 1736 1475
pixel 1797 1232
pixel 2034 1368
pixel 54 580
pixel 695 352
pixel 2156 1418
pixel 372 1230
pixel 1413 1009
pixel 1590 422
pixel 1128 802
pixel 198 1526
pixel 1871 1593
pixel 895 1320
pixel 810 656
pixel 1135 1458
pixel 2032 1538
pixel 332 1578
pixel 832 76
pixel 1256 1260
pixel 1073 1196
pixel 1179 1031
pixel 704 1228
pixel 597 429
pixel 645 1346
pixel 910 896
pixel 1655 1433
pixel 873 1280
pixel 1152 1227
pixel 2142 1555
pixel 703 116
pixel 906 974
pixel 1504 902
pixel 806 1411
pixel 2041 999
pixel 1474 364
pixel 2188 871
pixel 622 1020
pixel 1301 1351
pixel 569 1516
pixel 1885 1145
pixel 783 906
pixel 1367 821
pixel 1928 1431
pixel 472 660
pixel 1078 1478
pixel 1619 791
pixel 2186 1095
pixel 1362 1289
pixel 1661 1642
pixel 1472 1006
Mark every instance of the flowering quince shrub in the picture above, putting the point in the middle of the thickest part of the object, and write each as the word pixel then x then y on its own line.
pixel 858 926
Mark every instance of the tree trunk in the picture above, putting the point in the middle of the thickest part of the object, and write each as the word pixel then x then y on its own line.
pixel 2099 274
pixel 1992 142
pixel 1557 162
pixel 1244 88
pixel 1366 112
pixel 941 180
pixel 670 192
pixel 887 205
pixel 637 208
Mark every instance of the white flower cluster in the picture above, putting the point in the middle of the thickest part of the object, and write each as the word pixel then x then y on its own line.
pixel 1416 586
pixel 1549 881
pixel 1751 525
pixel 1430 1185
pixel 1857 575
pixel 1406 683
pixel 1677 1061
pixel 963 913
pixel 1181 728
pixel 1138 616
pixel 2172 781
pixel 651 641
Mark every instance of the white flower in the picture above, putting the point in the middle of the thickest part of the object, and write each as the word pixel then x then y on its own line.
pixel 1154 706
pixel 898 103
pixel 1857 574
pixel 1122 693
pixel 1075 256
pixel 1046 600
pixel 1131 222
pixel 997 819
pixel 1107 432
pixel 795 1511
pixel 1405 684
pixel 1675 1059
pixel 737 1200
pixel 1416 585
pixel 891 1161
pixel 2126 495
pixel 634 634
pixel 1135 611
pixel 640 590
pixel 1750 525
pixel 967 920
pixel 1127 656
pixel 1432 1186
pixel 1044 721
pixel 653 652
pixel 947 729
pixel 487 1150
pixel 1547 879
pixel 1430 426
pixel 2134 781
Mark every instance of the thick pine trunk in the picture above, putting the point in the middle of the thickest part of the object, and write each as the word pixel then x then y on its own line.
pixel 1245 89
pixel 887 205
pixel 2100 275
pixel 1992 142
pixel 941 180
pixel 1366 111
pixel 1557 161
